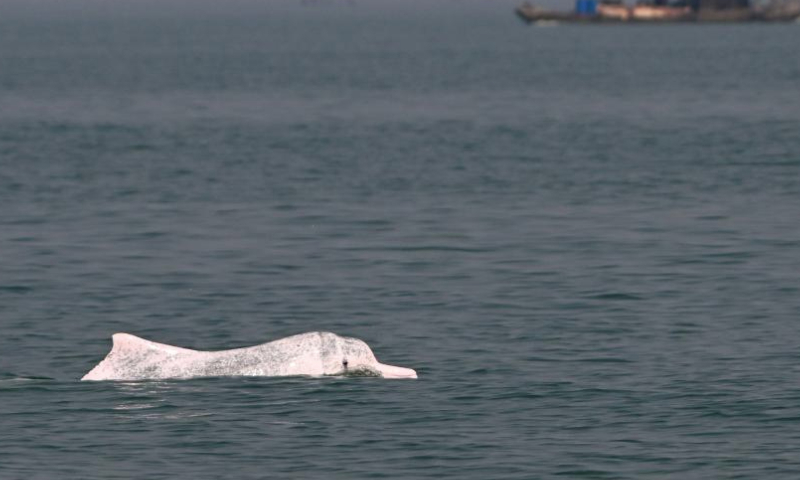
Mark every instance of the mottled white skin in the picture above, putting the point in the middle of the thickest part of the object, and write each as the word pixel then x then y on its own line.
pixel 314 353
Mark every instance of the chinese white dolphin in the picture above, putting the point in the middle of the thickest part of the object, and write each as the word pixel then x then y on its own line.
pixel 313 353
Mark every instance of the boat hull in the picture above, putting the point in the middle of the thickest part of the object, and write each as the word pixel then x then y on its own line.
pixel 530 14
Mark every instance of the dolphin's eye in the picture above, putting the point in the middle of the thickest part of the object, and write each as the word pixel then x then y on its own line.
pixel 344 363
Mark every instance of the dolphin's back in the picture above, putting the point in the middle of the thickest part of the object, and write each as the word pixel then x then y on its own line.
pixel 134 358
pixel 126 343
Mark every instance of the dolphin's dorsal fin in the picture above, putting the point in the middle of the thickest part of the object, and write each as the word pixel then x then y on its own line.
pixel 127 343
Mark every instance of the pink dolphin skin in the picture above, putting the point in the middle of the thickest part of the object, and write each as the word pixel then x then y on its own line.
pixel 390 371
pixel 313 354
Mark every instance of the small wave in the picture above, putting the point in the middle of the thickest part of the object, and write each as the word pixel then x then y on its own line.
pixel 16 288
pixel 14 378
pixel 135 406
pixel 615 296
pixel 10 381
pixel 173 416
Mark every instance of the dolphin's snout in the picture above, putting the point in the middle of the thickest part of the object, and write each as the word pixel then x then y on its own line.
pixel 390 371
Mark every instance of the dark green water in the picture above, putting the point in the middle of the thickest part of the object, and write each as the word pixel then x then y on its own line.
pixel 585 240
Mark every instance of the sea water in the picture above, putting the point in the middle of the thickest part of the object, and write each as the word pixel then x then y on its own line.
pixel 585 239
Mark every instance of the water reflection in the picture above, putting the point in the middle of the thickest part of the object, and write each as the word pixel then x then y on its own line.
pixel 158 400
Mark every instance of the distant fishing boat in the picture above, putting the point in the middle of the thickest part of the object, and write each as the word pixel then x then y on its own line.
pixel 661 11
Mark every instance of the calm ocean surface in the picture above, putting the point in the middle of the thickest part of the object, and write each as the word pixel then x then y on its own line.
pixel 586 240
